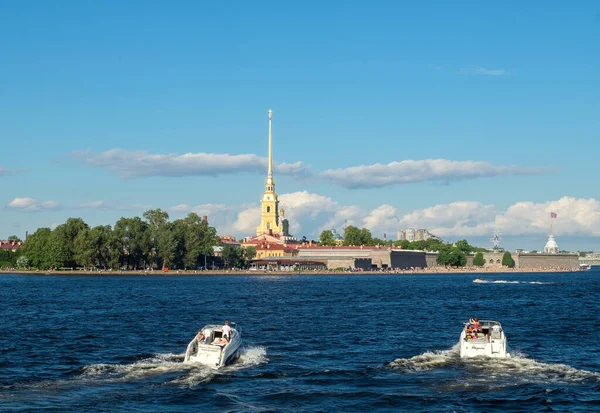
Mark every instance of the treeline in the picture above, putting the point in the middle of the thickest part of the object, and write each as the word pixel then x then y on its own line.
pixel 448 254
pixel 8 258
pixel 132 244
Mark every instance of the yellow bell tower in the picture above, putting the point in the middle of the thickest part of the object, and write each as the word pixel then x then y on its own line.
pixel 269 216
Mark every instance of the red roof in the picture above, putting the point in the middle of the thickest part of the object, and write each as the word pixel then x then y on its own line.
pixel 10 245
pixel 343 247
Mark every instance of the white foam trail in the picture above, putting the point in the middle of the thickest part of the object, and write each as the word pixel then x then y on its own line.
pixel 156 365
pixel 428 360
pixel 516 368
pixel 524 369
pixel 198 374
pixel 251 357
pixel 480 281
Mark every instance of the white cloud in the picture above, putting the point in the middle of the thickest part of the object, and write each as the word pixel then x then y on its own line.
pixel 108 205
pixel 409 171
pixel 482 71
pixel 30 204
pixel 95 205
pixel 311 213
pixel 134 164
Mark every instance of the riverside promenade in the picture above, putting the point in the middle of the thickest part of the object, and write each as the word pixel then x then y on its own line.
pixel 231 272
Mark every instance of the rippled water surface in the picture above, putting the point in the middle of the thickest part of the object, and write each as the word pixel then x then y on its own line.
pixel 312 343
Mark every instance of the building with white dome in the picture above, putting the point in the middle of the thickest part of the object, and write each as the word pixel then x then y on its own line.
pixel 551 246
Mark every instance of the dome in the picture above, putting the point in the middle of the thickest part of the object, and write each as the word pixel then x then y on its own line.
pixel 551 246
pixel 335 234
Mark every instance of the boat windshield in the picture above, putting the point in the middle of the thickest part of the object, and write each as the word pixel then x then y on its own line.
pixel 486 323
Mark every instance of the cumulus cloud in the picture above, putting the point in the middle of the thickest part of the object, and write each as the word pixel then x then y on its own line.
pixel 409 171
pixel 136 164
pixel 31 205
pixel 311 213
pixel 482 71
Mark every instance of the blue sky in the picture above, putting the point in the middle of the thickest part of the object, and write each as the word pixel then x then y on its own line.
pixel 100 100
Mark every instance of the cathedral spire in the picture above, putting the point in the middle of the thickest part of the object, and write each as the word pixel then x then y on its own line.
pixel 270 172
pixel 270 222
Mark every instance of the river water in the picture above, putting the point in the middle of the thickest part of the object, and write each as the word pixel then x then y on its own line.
pixel 311 343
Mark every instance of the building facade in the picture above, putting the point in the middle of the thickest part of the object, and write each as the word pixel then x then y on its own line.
pixel 411 234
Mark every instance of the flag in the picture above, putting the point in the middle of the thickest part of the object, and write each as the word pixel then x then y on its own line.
pixel 552 214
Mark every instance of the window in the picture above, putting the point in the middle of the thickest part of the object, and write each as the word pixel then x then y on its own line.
pixel 268 225
pixel 268 209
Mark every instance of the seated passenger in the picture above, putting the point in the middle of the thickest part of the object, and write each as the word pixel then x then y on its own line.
pixel 201 337
pixel 223 341
pixel 476 325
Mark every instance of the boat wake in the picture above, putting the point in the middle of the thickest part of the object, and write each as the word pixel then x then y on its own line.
pixel 481 281
pixel 428 361
pixel 516 369
pixel 169 368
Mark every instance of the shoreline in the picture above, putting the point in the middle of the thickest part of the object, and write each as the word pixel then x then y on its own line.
pixel 426 271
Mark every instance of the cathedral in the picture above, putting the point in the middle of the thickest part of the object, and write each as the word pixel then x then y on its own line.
pixel 272 221
pixel 272 234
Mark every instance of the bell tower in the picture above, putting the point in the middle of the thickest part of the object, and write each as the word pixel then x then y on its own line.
pixel 269 215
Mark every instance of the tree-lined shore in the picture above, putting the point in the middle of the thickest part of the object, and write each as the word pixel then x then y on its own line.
pixel 131 244
pixel 153 242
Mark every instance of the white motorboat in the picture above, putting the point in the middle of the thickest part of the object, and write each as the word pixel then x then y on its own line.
pixel 490 341
pixel 211 351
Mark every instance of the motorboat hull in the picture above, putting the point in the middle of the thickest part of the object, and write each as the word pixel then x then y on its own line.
pixel 211 354
pixel 487 344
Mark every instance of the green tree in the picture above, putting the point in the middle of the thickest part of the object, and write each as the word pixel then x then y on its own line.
pixel 233 257
pixel 365 237
pixel 451 256
pixel 37 248
pixel 14 238
pixel 357 236
pixel 162 238
pixel 84 251
pixel 478 260
pixel 463 246
pixel 326 238
pixel 250 253
pixel 200 240
pixel 62 243
pixel 352 236
pixel 507 260
pixel 402 244
pixel 132 242
pixel 178 230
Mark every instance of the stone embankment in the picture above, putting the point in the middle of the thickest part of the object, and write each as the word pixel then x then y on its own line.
pixel 434 270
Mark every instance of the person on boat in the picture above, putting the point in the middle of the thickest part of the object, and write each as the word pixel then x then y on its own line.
pixel 226 330
pixel 223 341
pixel 476 325
pixel 469 332
pixel 201 337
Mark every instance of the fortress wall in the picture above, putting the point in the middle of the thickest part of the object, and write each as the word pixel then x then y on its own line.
pixel 405 259
pixel 563 261
pixel 431 259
